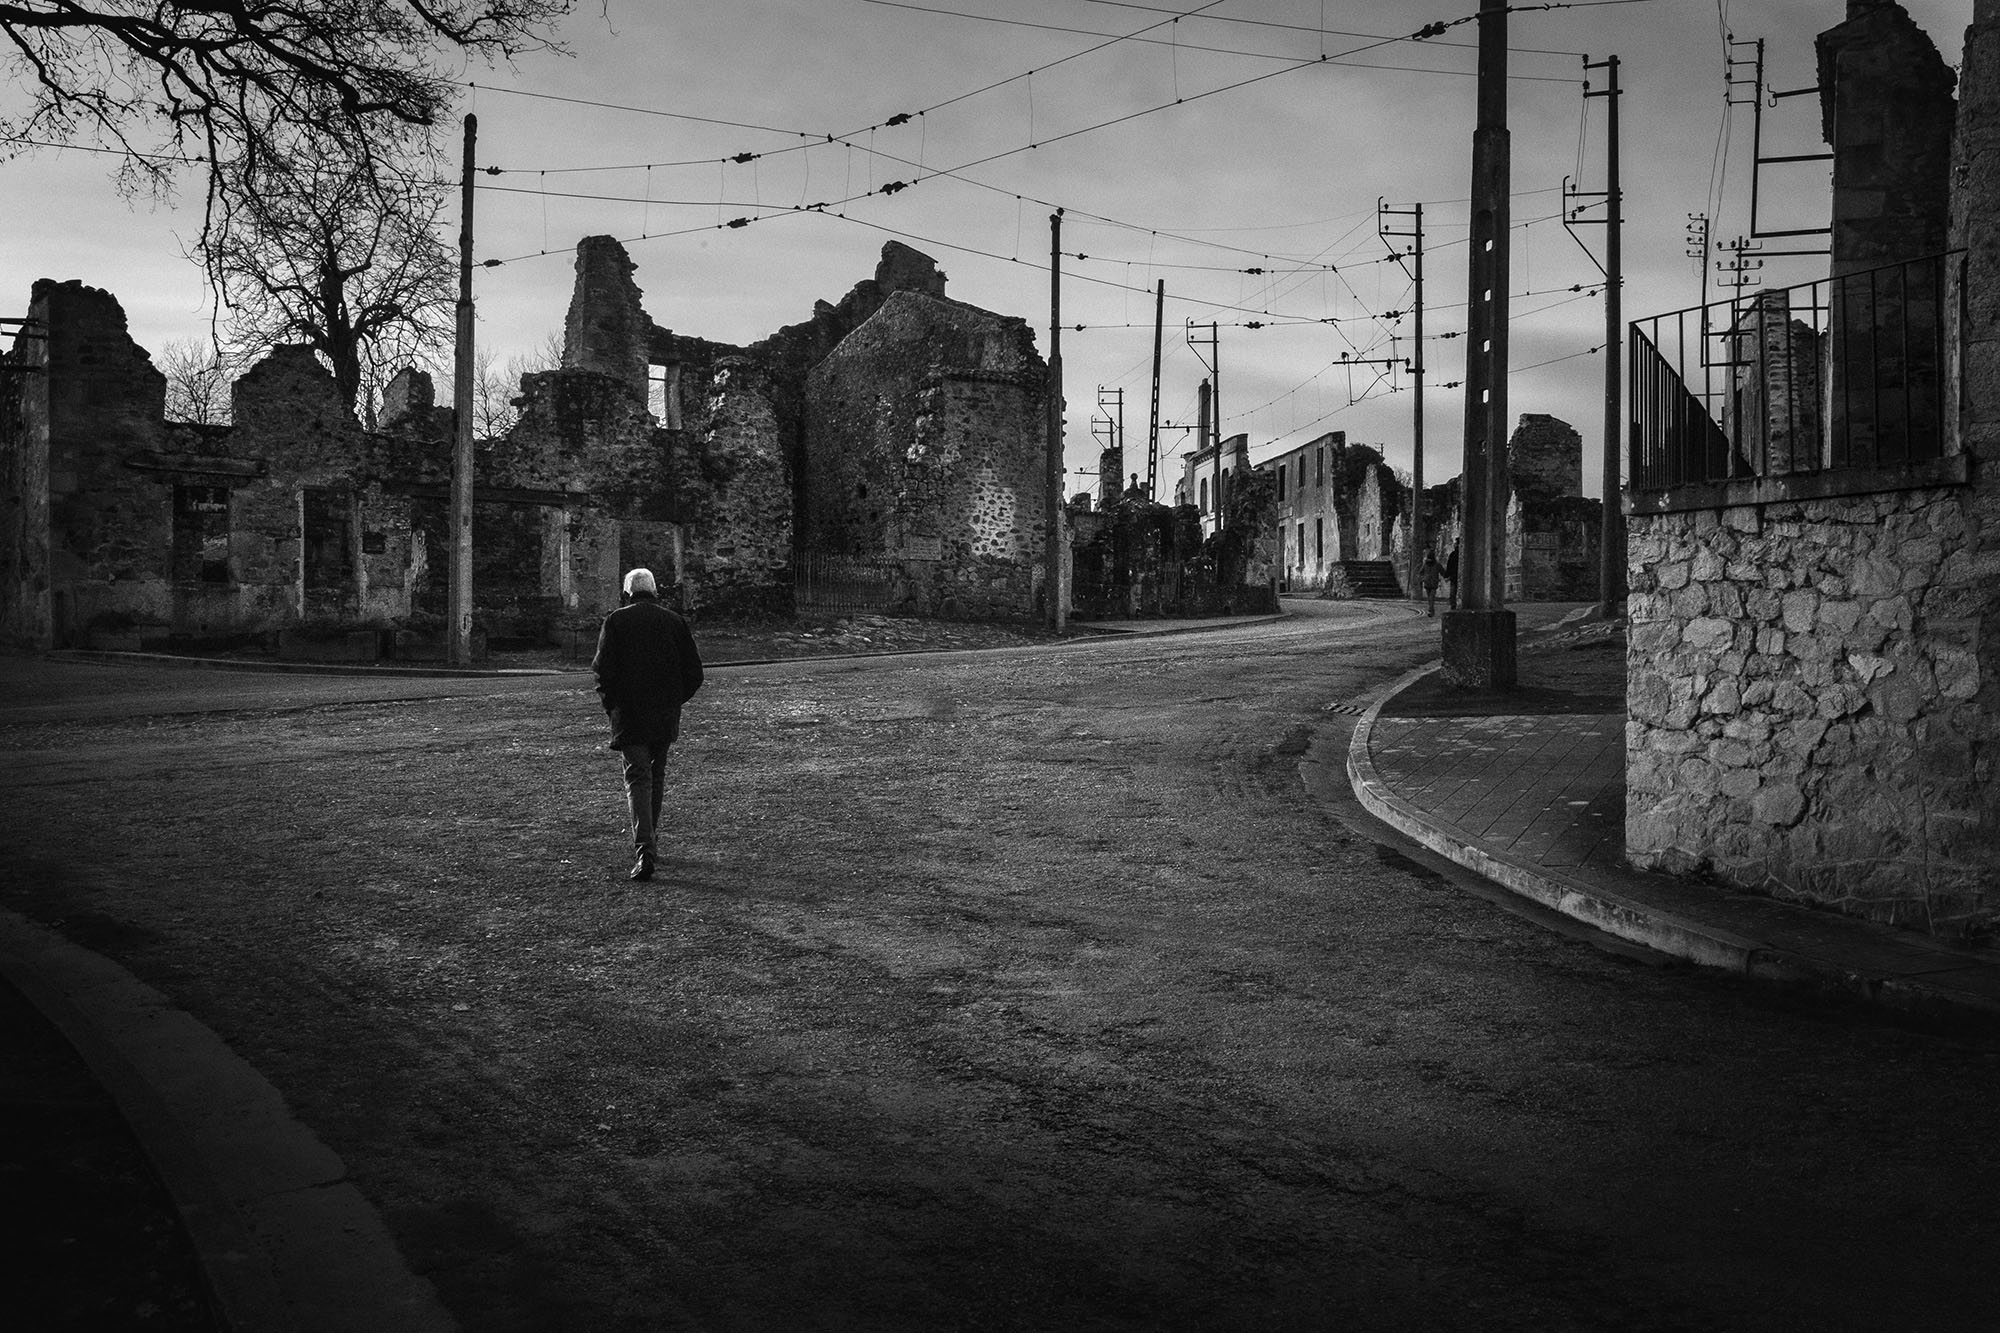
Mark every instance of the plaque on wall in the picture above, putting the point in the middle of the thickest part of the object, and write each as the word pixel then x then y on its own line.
pixel 923 548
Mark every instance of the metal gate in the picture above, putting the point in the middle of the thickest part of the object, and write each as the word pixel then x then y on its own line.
pixel 822 582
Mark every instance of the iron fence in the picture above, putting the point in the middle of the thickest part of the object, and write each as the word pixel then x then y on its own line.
pixel 1846 372
pixel 825 582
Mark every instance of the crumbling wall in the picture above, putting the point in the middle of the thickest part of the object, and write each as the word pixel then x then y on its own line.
pixel 1545 457
pixel 94 525
pixel 1887 113
pixel 117 520
pixel 1552 548
pixel 607 331
pixel 1376 509
pixel 927 426
pixel 740 491
pixel 1553 534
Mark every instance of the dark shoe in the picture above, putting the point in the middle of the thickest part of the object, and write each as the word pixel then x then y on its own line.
pixel 643 867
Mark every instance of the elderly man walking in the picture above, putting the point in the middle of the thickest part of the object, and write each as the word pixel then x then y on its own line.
pixel 647 667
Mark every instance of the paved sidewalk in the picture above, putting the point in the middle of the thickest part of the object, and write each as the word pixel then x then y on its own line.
pixel 1528 789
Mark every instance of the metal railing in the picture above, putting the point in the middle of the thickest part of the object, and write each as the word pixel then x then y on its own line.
pixel 827 582
pixel 1846 372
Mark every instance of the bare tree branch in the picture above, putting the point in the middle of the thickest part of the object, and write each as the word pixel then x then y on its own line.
pixel 341 254
pixel 231 82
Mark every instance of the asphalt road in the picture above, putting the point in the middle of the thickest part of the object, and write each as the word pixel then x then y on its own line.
pixel 1021 990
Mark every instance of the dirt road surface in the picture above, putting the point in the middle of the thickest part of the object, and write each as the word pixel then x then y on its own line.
pixel 1016 990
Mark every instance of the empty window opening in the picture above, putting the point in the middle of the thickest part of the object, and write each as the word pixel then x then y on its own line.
pixel 201 534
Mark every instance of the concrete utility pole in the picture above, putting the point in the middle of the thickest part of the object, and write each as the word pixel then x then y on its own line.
pixel 1153 430
pixel 1201 435
pixel 1611 556
pixel 1053 538
pixel 460 598
pixel 1478 640
pixel 1415 212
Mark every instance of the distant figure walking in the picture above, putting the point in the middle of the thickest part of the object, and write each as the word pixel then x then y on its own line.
pixel 1431 572
pixel 1451 574
pixel 647 667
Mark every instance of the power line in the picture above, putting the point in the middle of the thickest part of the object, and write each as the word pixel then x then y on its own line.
pixel 1223 50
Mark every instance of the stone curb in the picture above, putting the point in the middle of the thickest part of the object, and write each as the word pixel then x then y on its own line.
pixel 288 668
pixel 1635 922
pixel 286 1242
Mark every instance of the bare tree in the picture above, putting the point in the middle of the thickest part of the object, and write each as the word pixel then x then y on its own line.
pixel 226 85
pixel 337 254
pixel 197 382
pixel 496 384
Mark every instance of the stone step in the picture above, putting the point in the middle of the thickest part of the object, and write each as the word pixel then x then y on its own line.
pixel 1371 578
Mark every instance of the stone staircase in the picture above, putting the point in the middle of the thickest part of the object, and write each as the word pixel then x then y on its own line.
pixel 1363 578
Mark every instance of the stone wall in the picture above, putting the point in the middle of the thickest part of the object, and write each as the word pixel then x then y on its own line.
pixel 1886 110
pixel 1814 669
pixel 928 441
pixel 115 520
pixel 1544 457
pixel 293 515
pixel 1805 705
pixel 1376 509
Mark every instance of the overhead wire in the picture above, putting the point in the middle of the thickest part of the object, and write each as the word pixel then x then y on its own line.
pixel 1272 296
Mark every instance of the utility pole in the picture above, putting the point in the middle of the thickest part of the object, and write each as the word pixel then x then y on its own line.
pixel 1479 639
pixel 1740 269
pixel 1418 538
pixel 1212 397
pixel 460 596
pixel 1111 458
pixel 1153 428
pixel 1697 249
pixel 1611 540
pixel 1201 432
pixel 1053 537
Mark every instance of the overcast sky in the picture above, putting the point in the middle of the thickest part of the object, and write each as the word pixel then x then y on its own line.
pixel 1164 169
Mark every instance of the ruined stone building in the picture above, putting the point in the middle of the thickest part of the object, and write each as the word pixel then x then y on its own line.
pixel 1344 517
pixel 898 433
pixel 1201 486
pixel 1554 532
pixel 1133 557
pixel 1333 509
pixel 1813 688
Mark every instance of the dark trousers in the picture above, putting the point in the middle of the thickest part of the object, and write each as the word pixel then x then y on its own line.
pixel 645 784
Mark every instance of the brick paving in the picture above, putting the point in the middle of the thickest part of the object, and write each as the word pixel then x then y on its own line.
pixel 1527 787
pixel 1550 789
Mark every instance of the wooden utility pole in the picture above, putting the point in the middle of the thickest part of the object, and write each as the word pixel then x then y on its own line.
pixel 1611 558
pixel 1479 639
pixel 1418 537
pixel 1053 538
pixel 1153 429
pixel 460 598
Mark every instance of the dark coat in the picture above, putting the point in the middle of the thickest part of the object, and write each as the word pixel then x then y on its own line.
pixel 647 667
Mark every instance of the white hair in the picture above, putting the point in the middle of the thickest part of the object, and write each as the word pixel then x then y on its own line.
pixel 640 580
